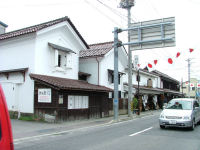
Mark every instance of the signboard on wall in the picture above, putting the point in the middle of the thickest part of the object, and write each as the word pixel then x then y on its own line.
pixel 44 95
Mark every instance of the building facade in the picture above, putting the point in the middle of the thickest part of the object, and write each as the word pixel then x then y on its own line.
pixel 193 88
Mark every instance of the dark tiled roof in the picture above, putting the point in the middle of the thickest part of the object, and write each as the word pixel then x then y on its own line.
pixel 148 88
pixel 164 75
pixel 147 71
pixel 145 87
pixel 38 27
pixel 96 50
pixel 173 92
pixel 68 84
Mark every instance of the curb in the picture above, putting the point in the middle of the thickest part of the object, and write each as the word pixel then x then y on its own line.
pixel 134 117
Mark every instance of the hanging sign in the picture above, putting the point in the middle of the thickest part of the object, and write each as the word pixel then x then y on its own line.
pixel 44 95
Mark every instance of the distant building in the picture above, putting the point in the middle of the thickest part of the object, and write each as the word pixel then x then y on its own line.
pixel 193 87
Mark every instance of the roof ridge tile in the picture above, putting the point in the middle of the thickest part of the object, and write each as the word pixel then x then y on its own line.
pixel 102 43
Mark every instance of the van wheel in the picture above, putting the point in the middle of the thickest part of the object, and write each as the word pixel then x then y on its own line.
pixel 162 127
pixel 193 125
pixel 198 123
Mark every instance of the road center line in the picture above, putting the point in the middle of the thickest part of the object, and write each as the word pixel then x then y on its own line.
pixel 141 131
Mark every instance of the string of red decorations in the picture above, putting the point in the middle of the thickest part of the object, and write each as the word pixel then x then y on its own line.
pixel 170 60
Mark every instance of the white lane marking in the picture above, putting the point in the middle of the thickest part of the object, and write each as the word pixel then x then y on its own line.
pixel 141 131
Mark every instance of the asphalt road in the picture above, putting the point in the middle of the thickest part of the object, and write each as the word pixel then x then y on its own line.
pixel 139 134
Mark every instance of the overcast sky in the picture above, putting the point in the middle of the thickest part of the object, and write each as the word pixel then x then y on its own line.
pixel 96 19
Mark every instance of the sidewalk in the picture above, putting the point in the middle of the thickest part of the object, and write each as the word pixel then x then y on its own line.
pixel 22 129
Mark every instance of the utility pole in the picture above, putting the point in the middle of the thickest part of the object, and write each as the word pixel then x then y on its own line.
pixel 127 4
pixel 138 73
pixel 189 64
pixel 116 86
pixel 182 86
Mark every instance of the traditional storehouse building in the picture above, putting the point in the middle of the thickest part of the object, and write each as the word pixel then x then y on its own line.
pixel 40 70
pixel 97 64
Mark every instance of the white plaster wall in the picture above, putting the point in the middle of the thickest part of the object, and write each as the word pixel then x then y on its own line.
pixel 108 63
pixel 14 54
pixel 45 55
pixel 143 79
pixel 90 66
pixel 159 82
pixel 17 53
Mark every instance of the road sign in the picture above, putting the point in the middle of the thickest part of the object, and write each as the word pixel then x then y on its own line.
pixel 152 34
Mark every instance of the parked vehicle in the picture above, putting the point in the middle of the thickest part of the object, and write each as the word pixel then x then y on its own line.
pixel 180 112
pixel 6 138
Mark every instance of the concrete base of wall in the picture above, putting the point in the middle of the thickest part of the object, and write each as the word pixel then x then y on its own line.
pixel 49 118
pixel 14 114
pixel 121 112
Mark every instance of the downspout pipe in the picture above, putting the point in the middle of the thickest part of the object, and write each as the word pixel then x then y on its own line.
pixel 97 70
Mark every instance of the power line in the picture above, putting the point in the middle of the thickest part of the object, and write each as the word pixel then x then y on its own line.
pixel 113 10
pixel 105 15
pixel 96 8
pixel 124 17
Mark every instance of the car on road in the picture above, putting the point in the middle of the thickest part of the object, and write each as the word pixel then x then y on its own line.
pixel 180 112
pixel 6 138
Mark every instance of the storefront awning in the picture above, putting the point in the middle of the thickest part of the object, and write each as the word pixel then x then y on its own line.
pixel 173 92
pixel 148 90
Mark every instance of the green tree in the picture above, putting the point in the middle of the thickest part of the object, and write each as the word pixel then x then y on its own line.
pixel 135 103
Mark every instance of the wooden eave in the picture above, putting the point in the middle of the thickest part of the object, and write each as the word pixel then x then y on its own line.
pixel 19 70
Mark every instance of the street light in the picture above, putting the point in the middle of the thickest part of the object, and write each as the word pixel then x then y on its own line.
pixel 126 3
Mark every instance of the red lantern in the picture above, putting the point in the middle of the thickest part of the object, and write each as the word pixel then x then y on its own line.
pixel 155 62
pixel 191 50
pixel 170 61
pixel 149 65
pixel 178 54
